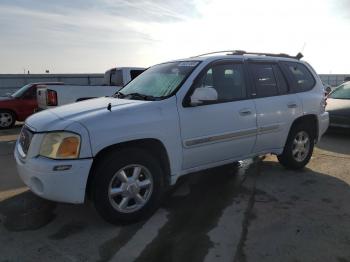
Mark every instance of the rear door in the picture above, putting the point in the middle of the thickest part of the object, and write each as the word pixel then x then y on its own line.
pixel 276 107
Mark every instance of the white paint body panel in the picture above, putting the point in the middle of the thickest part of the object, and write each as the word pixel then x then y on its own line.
pixel 274 119
pixel 219 120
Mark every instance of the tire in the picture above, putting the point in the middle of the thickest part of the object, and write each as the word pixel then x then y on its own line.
pixel 126 203
pixel 7 119
pixel 297 152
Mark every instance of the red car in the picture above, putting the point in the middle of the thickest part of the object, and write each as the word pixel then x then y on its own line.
pixel 19 105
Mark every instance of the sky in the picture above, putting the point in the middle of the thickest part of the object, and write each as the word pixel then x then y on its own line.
pixel 91 36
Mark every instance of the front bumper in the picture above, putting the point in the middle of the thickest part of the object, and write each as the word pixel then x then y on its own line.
pixel 323 122
pixel 63 186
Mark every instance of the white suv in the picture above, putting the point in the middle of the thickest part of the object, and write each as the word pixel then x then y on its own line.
pixel 175 118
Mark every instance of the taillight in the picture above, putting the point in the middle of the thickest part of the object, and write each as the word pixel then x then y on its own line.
pixel 51 97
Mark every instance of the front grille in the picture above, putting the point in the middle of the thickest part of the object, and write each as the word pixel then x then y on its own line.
pixel 25 138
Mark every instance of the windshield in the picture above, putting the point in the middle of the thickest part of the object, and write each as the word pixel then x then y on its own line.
pixel 160 80
pixel 21 91
pixel 342 92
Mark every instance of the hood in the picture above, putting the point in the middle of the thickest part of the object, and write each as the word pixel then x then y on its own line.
pixel 338 106
pixel 46 121
pixel 89 110
pixel 5 98
pixel 92 107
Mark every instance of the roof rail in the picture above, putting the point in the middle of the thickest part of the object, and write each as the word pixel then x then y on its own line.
pixel 241 52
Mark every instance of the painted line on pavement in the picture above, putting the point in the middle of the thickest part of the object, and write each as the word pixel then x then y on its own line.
pixel 143 237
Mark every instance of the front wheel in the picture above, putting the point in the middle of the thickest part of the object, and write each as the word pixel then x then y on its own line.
pixel 127 186
pixel 299 147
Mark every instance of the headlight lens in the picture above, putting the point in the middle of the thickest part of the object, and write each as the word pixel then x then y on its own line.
pixel 60 145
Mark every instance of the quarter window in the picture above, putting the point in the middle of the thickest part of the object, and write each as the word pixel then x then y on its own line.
pixel 227 80
pixel 301 75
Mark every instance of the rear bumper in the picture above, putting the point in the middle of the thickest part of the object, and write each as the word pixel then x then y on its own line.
pixel 323 124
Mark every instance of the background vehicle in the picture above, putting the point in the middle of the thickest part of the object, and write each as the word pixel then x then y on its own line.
pixel 338 106
pixel 176 118
pixel 114 80
pixel 21 104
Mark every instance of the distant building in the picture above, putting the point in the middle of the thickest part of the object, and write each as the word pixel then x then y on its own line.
pixel 334 79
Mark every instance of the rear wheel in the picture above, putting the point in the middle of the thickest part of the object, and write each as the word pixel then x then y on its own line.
pixel 7 119
pixel 299 147
pixel 127 186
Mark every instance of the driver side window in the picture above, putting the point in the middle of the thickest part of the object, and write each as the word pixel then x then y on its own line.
pixel 227 79
pixel 30 93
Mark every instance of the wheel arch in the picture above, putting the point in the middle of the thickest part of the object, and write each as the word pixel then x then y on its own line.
pixel 309 119
pixel 151 145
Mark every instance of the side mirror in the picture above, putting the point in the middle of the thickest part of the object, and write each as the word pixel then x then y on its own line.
pixel 203 94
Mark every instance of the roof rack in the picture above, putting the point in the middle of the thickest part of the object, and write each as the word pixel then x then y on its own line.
pixel 241 52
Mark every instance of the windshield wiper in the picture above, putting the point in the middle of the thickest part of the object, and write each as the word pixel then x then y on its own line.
pixel 119 95
pixel 135 95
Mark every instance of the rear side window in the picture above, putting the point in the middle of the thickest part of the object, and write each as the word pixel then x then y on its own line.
pixel 265 80
pixel 302 77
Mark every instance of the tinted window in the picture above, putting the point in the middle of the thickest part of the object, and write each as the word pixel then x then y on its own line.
pixel 301 75
pixel 265 81
pixel 227 80
pixel 135 73
pixel 117 78
pixel 31 93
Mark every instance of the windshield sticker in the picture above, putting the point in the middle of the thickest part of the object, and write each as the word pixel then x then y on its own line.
pixel 190 64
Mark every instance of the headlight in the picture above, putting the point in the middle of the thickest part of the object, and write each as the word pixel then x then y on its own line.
pixel 60 145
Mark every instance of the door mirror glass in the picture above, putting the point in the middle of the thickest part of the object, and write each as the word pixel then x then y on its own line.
pixel 204 94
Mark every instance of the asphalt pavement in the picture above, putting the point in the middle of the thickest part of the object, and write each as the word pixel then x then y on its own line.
pixel 257 212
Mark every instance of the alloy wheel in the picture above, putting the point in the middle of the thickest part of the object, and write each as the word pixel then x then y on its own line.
pixel 301 146
pixel 130 188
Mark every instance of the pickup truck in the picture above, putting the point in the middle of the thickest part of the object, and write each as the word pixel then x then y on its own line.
pixel 57 95
pixel 21 104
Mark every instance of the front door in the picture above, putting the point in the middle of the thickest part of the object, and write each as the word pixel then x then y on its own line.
pixel 224 129
pixel 28 103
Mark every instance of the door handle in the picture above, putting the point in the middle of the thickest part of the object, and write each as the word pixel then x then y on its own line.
pixel 292 105
pixel 245 112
